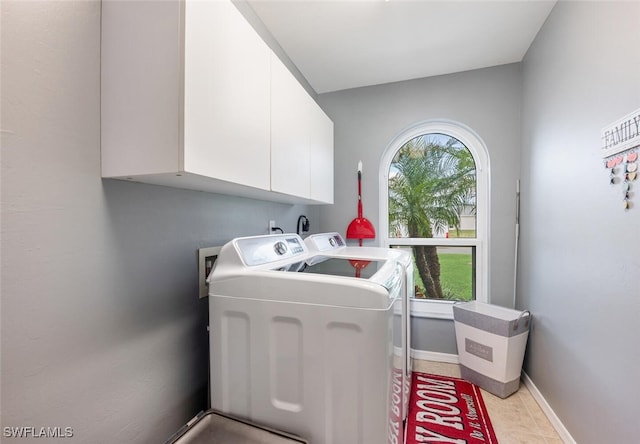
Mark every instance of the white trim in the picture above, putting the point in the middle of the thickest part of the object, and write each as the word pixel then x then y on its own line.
pixel 547 410
pixel 426 308
pixel 478 149
pixel 438 241
pixel 425 355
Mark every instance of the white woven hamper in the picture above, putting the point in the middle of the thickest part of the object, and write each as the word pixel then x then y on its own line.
pixel 491 343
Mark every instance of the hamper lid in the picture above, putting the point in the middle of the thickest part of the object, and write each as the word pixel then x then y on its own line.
pixel 492 318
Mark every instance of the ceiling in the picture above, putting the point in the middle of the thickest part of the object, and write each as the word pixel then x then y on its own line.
pixel 346 44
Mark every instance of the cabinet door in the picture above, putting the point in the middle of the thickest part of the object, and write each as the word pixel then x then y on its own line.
pixel 290 123
pixel 140 87
pixel 226 96
pixel 321 156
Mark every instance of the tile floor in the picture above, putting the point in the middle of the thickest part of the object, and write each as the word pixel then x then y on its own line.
pixel 516 419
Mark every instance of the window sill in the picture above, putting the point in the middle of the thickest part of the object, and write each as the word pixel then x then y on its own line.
pixel 432 309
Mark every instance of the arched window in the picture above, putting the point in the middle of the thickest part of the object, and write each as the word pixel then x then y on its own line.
pixel 434 192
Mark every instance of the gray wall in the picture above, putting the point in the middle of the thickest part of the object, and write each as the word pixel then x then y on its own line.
pixel 100 327
pixel 367 119
pixel 102 330
pixel 579 263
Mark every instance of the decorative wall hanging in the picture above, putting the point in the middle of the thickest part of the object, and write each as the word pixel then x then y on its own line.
pixel 620 146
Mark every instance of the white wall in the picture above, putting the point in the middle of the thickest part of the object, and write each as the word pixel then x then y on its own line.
pixel 367 119
pixel 101 328
pixel 580 251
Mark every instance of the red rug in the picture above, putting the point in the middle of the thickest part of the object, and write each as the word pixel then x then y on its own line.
pixel 447 410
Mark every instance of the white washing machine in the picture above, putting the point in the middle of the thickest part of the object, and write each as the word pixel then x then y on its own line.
pixel 333 245
pixel 301 344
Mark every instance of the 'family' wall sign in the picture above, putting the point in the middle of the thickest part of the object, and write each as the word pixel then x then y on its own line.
pixel 620 144
pixel 621 135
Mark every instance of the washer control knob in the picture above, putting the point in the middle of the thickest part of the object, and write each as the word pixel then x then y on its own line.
pixel 332 242
pixel 280 248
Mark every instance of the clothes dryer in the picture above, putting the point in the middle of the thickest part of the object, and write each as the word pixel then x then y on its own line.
pixel 360 258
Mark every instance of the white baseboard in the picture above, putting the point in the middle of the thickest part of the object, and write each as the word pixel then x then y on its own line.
pixel 547 410
pixel 434 356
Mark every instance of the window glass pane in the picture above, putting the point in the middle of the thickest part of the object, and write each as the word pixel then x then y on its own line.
pixel 432 189
pixel 443 272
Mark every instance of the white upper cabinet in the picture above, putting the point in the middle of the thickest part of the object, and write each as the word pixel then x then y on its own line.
pixel 141 96
pixel 301 139
pixel 187 101
pixel 226 96
pixel 321 156
pixel 289 132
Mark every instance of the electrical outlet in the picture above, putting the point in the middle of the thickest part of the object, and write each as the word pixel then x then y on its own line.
pixel 272 224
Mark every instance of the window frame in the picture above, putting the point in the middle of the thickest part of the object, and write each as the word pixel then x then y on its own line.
pixel 431 308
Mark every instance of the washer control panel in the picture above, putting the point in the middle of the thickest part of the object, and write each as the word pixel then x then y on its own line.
pixel 261 250
pixel 325 242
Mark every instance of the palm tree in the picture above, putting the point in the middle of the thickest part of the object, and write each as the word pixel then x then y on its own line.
pixel 432 181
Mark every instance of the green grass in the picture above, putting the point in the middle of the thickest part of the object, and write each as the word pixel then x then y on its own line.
pixel 455 276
